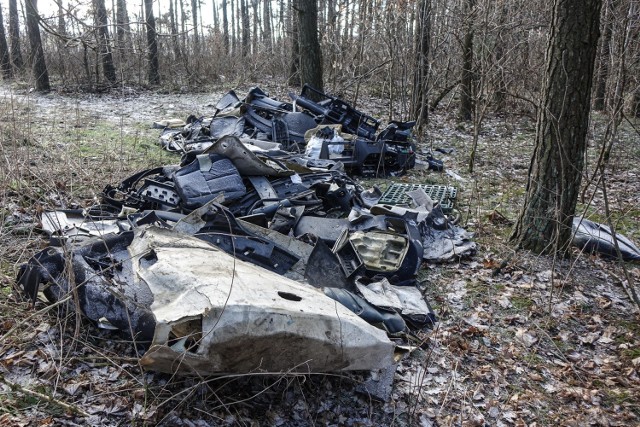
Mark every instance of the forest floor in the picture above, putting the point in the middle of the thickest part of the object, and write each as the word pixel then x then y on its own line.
pixel 537 342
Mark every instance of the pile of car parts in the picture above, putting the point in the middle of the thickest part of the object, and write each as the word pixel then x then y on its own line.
pixel 315 130
pixel 240 260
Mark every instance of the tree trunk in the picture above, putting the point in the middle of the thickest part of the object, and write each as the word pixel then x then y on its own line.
pixel 294 67
pixel 174 31
pixel 266 18
pixel 5 59
pixel 14 35
pixel 194 15
pixel 62 26
pixel 152 44
pixel 246 31
pixel 216 22
pixel 122 22
pixel 544 223
pixel 234 33
pixel 500 94
pixel 466 78
pixel 310 53
pixel 225 27
pixel 256 26
pixel 39 66
pixel 106 56
pixel 420 103
pixel 604 58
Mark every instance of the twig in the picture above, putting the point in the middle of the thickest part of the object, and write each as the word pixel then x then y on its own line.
pixel 50 399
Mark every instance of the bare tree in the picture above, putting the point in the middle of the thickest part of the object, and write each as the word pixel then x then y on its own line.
pixel 152 44
pixel 39 66
pixel 5 60
pixel 225 27
pixel 122 24
pixel 545 221
pixel 466 79
pixel 419 102
pixel 294 64
pixel 310 54
pixel 14 35
pixel 246 31
pixel 194 15
pixel 104 41
pixel 604 58
pixel 175 42
pixel 266 18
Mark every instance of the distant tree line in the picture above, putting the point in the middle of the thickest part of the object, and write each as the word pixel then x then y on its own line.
pixel 555 59
pixel 481 53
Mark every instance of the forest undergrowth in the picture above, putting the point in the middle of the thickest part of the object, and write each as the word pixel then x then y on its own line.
pixel 521 339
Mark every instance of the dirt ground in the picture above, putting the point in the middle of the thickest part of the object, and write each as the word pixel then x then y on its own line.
pixel 521 340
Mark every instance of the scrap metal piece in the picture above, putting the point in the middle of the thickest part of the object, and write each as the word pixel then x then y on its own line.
pixel 245 160
pixel 205 178
pixel 593 237
pixel 406 300
pixel 391 321
pixel 246 319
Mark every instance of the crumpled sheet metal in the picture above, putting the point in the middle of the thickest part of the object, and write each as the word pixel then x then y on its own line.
pixel 245 160
pixel 218 314
pixel 594 237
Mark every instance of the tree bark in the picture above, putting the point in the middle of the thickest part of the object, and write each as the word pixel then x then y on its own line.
pixel 152 44
pixel 39 66
pixel 266 18
pixel 106 56
pixel 603 59
pixel 5 59
pixel 122 22
pixel 14 35
pixel 225 27
pixel 246 31
pixel 194 15
pixel 420 103
pixel 294 66
pixel 544 223
pixel 174 31
pixel 235 26
pixel 310 53
pixel 466 78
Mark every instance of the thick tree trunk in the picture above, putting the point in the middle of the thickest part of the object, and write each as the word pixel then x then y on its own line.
pixel 5 59
pixel 604 58
pixel 466 78
pixel 310 53
pixel 106 56
pixel 14 35
pixel 152 44
pixel 419 102
pixel 39 66
pixel 225 27
pixel 544 223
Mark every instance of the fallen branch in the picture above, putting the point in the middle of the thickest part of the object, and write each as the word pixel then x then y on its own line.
pixel 50 399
